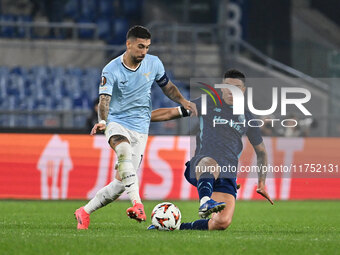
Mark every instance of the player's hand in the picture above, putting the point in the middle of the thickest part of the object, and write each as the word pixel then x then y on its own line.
pixel 194 109
pixel 190 106
pixel 261 190
pixel 99 127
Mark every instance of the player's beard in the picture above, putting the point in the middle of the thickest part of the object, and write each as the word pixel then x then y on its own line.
pixel 137 60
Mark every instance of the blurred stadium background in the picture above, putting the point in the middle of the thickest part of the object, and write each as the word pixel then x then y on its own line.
pixel 52 53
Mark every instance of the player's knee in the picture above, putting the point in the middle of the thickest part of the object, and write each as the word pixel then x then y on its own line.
pixel 207 164
pixel 116 140
pixel 223 224
pixel 125 166
pixel 123 151
pixel 207 161
pixel 123 148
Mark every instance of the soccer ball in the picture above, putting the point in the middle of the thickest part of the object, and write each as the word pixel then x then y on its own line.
pixel 166 216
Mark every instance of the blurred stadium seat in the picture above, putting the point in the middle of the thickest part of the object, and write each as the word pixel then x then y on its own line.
pixel 119 28
pixel 57 89
pixel 7 31
pixel 105 9
pixel 106 14
pixel 71 9
pixel 21 30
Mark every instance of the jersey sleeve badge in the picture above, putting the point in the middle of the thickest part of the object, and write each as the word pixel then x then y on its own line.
pixel 103 81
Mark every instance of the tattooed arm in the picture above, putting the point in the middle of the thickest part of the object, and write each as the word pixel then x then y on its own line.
pixel 103 107
pixel 172 92
pixel 164 114
pixel 103 111
pixel 262 160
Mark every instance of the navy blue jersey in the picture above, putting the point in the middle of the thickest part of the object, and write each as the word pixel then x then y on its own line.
pixel 220 133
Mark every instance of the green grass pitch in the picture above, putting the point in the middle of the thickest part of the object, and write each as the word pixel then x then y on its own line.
pixel 48 227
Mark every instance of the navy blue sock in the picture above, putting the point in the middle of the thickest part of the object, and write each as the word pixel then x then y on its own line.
pixel 195 225
pixel 205 185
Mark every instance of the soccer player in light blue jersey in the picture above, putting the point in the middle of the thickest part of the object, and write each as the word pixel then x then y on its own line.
pixel 124 114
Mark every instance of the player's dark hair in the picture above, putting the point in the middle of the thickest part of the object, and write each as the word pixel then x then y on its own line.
pixel 138 32
pixel 235 74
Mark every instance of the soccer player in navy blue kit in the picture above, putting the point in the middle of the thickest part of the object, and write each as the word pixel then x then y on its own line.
pixel 218 146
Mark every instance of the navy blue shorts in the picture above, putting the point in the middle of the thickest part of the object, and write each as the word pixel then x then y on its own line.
pixel 224 185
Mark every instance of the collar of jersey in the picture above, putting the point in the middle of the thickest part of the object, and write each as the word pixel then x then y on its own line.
pixel 229 105
pixel 128 68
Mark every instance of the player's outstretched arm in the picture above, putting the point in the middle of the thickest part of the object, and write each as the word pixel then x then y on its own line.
pixel 262 160
pixel 164 114
pixel 103 111
pixel 172 92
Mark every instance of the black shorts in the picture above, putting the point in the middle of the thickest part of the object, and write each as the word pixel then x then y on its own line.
pixel 224 185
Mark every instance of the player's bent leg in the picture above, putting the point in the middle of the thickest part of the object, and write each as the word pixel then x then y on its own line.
pixel 128 175
pixel 206 175
pixel 222 220
pixel 126 170
pixel 137 211
pixel 202 224
pixel 219 221
pixel 206 165
pixel 103 197
pixel 138 149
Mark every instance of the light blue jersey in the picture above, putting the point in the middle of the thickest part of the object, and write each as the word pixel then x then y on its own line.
pixel 130 91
